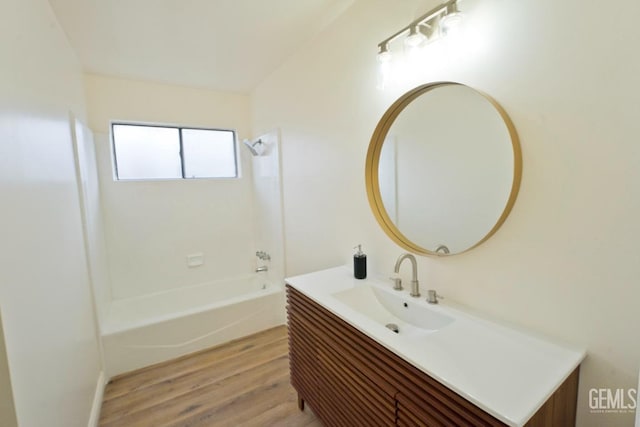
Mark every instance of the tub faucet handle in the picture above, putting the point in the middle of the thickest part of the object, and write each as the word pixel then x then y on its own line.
pixel 263 256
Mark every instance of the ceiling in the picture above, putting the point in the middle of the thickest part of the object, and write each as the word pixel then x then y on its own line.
pixel 220 44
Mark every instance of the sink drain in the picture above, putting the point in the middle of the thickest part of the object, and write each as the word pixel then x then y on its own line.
pixel 393 327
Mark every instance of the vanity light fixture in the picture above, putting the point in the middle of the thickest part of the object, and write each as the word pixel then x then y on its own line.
pixel 441 19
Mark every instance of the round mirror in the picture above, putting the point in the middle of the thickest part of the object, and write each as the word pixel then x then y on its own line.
pixel 443 169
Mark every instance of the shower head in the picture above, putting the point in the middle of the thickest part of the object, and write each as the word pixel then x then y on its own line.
pixel 256 147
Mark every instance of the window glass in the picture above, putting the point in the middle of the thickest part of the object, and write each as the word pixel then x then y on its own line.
pixel 147 152
pixel 208 153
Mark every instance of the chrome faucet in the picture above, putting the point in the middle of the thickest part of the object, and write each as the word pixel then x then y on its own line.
pixel 415 286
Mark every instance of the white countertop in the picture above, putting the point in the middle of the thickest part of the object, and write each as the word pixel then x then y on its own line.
pixel 506 372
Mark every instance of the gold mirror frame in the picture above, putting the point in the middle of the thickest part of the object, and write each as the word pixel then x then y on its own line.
pixel 373 159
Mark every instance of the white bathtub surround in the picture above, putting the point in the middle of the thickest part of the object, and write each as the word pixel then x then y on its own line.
pixel 508 373
pixel 92 222
pixel 149 329
pixel 267 204
pixel 152 226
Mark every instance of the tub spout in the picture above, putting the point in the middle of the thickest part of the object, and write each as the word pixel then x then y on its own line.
pixel 262 268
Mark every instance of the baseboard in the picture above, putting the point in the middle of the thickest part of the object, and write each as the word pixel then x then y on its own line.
pixel 97 400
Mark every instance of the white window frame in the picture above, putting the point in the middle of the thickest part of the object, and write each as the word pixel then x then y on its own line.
pixel 114 157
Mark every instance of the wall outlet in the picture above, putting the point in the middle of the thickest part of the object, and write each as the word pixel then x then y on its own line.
pixel 195 260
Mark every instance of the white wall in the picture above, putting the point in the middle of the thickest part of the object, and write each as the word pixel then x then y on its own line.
pixel 48 321
pixel 152 226
pixel 565 262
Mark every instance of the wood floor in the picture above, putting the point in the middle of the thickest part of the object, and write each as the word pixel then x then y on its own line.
pixel 242 383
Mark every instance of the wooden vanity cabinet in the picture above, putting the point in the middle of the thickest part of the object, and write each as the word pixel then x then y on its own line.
pixel 323 361
pixel 350 380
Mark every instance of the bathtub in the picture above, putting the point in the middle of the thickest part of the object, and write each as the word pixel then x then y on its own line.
pixel 149 329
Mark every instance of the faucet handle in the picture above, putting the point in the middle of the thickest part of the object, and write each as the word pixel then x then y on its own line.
pixel 433 297
pixel 263 256
pixel 397 282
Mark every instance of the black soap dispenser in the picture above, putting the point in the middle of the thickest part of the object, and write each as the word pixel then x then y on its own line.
pixel 360 263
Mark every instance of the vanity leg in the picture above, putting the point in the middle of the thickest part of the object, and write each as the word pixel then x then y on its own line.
pixel 300 402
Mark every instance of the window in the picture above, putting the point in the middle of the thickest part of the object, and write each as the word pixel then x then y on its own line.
pixel 170 152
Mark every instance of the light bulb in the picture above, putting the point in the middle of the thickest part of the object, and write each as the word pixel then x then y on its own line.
pixel 384 55
pixel 451 22
pixel 384 74
pixel 384 66
pixel 415 37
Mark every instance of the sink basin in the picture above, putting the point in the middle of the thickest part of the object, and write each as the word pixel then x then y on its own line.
pixel 412 316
